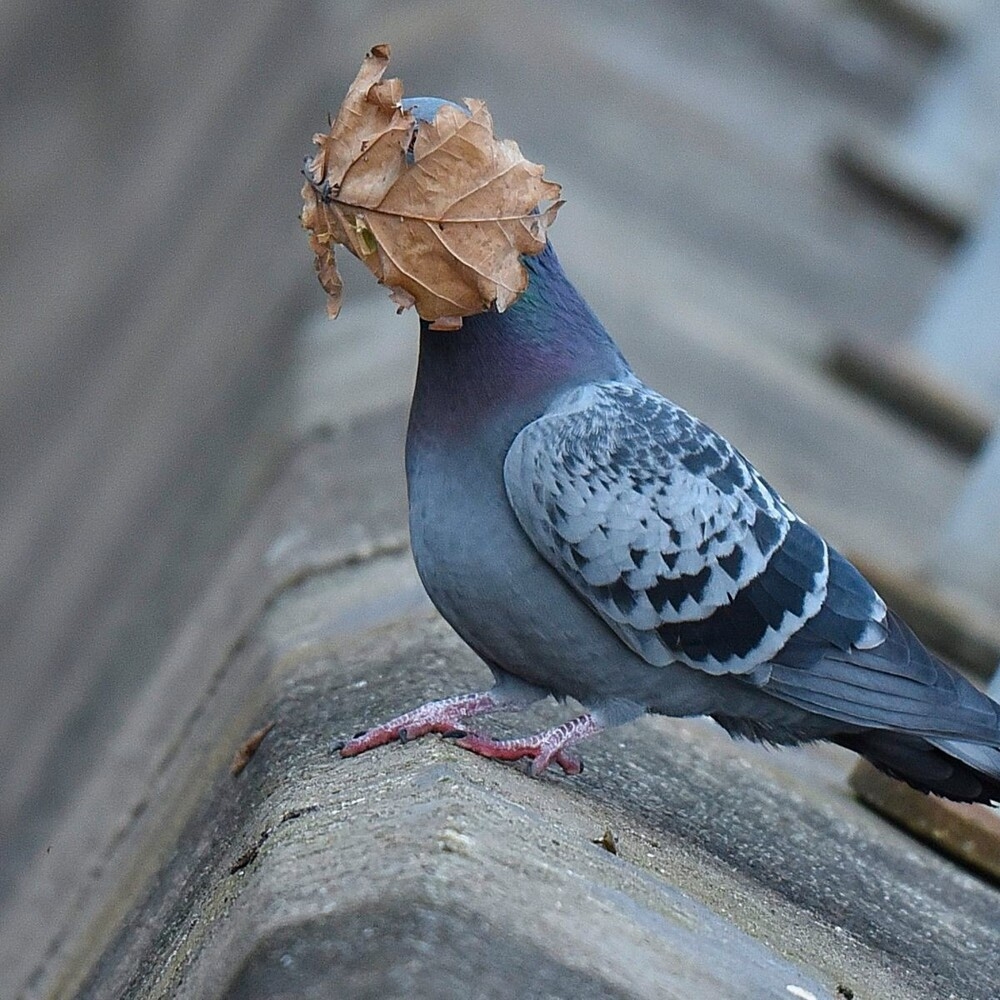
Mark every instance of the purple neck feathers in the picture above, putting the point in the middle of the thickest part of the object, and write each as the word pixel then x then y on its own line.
pixel 502 370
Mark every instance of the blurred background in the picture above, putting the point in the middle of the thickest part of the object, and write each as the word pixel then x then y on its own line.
pixel 747 182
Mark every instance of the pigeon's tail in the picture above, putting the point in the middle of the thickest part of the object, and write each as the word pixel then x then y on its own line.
pixel 965 772
pixel 905 709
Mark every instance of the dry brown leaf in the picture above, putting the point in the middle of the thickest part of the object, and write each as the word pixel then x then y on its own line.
pixel 443 227
pixel 248 748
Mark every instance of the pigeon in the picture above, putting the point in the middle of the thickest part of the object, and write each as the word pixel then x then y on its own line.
pixel 589 539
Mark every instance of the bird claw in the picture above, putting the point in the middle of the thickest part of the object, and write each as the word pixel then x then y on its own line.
pixel 543 749
pixel 434 717
pixel 402 729
pixel 541 755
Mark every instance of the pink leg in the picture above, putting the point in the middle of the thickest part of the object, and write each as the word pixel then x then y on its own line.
pixel 434 717
pixel 545 748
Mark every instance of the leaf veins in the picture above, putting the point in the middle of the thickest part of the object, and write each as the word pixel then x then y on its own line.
pixel 439 213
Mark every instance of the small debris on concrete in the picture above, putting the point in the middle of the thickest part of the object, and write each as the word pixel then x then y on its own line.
pixel 802 994
pixel 454 842
pixel 248 748
pixel 290 814
pixel 607 841
pixel 250 854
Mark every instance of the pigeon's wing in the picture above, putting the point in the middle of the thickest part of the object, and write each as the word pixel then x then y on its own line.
pixel 690 556
pixel 896 683
pixel 672 537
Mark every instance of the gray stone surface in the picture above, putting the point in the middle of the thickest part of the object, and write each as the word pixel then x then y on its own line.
pixel 334 503
pixel 414 866
pixel 156 405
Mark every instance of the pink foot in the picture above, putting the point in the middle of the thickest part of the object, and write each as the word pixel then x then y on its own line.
pixel 544 748
pixel 434 717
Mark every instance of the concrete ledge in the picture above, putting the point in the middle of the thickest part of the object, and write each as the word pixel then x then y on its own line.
pixel 167 876
pixel 736 875
pixel 739 872
pixel 881 168
pixel 419 870
pixel 934 22
pixel 968 832
pixel 337 501
pixel 172 877
pixel 897 380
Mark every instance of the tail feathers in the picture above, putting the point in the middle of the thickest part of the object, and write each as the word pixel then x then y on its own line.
pixel 965 772
pixel 982 760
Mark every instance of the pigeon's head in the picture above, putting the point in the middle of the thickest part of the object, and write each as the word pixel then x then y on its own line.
pixel 425 109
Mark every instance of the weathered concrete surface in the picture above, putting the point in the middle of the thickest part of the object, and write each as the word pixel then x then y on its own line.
pixel 407 870
pixel 333 504
pixel 475 868
pixel 705 231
